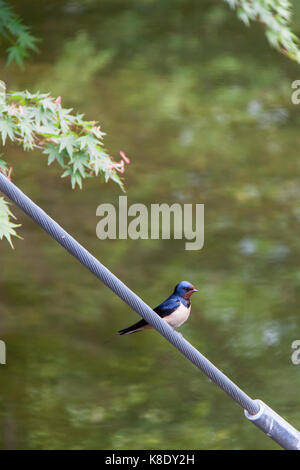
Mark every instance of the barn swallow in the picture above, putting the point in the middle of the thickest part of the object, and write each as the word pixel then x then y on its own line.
pixel 175 310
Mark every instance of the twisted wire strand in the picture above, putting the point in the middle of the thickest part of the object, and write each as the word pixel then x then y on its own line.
pixel 126 294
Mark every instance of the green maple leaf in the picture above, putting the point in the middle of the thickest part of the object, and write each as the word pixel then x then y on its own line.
pixel 54 154
pixel 89 142
pixel 80 163
pixel 7 227
pixel 68 142
pixel 27 41
pixel 7 129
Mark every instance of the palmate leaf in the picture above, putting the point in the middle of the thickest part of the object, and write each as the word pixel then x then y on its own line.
pixel 76 179
pixel 89 142
pixel 27 41
pixel 65 119
pixel 16 54
pixel 36 120
pixel 48 103
pixel 42 116
pixel 12 29
pixel 67 142
pixel 7 227
pixel 26 132
pixel 7 16
pixel 6 128
pixel 275 15
pixel 39 120
pixel 14 25
pixel 54 155
pixel 80 163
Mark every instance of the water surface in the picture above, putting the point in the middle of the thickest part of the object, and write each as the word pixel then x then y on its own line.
pixel 202 106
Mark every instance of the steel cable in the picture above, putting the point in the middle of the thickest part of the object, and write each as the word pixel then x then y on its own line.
pixel 126 294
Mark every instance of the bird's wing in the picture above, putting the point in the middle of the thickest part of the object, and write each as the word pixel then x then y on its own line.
pixel 163 310
pixel 167 307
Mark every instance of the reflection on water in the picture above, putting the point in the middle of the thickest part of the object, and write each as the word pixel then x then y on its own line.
pixel 203 108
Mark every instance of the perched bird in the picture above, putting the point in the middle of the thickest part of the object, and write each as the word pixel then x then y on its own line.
pixel 175 310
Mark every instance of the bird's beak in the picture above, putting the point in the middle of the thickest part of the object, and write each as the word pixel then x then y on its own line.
pixel 194 290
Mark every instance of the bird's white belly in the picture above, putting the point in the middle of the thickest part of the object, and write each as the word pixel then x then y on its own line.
pixel 178 317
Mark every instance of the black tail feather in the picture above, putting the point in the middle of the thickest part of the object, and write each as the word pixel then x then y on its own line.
pixel 133 328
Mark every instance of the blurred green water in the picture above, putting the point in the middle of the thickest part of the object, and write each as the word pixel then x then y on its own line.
pixel 202 106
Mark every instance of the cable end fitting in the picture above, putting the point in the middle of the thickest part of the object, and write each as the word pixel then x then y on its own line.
pixel 275 426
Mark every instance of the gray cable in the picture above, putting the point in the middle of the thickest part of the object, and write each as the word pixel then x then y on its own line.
pixel 126 294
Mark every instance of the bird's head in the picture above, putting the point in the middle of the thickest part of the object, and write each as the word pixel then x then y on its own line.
pixel 185 289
